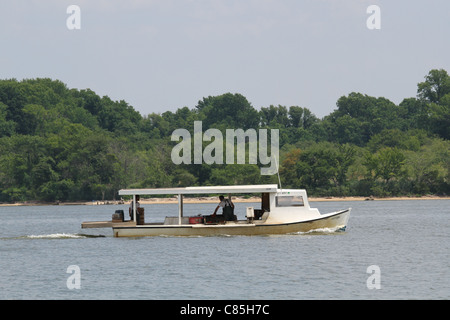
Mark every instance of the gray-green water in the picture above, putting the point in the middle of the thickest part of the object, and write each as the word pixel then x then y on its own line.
pixel 407 240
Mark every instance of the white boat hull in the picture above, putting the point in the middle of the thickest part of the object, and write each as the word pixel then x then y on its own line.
pixel 336 220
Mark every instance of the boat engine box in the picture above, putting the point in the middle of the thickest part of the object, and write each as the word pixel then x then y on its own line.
pixel 118 216
pixel 195 220
pixel 218 219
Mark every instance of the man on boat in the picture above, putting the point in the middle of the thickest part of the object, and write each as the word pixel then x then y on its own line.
pixel 138 205
pixel 227 208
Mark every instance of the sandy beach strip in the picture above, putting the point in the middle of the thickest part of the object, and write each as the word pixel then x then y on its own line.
pixel 197 200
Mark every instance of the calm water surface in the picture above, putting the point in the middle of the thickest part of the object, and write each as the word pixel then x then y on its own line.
pixel 407 240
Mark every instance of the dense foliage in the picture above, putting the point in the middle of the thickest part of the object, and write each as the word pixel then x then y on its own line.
pixel 62 144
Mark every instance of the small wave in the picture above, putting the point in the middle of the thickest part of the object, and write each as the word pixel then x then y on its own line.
pixel 327 230
pixel 62 236
pixel 323 231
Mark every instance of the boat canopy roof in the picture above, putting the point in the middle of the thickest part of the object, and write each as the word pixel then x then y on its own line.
pixel 204 190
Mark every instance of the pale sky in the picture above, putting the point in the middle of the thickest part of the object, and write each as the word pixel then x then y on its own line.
pixel 161 55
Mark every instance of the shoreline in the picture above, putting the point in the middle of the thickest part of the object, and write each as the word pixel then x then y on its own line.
pixel 199 200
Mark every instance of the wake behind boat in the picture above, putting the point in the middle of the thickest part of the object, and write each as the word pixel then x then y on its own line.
pixel 282 211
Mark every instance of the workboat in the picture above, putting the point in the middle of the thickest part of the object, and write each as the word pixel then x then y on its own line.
pixel 282 211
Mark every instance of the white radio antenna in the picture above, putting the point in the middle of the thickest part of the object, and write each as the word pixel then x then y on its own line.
pixel 278 172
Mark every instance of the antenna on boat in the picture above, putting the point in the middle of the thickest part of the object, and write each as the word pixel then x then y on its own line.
pixel 278 172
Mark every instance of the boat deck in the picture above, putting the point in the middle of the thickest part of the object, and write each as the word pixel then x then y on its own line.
pixel 109 224
pixel 106 224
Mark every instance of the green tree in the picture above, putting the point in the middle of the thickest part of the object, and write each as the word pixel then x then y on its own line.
pixel 386 164
pixel 414 114
pixel 235 174
pixel 440 118
pixel 429 168
pixel 301 117
pixel 12 95
pixel 435 91
pixel 435 86
pixel 90 101
pixel 227 111
pixel 359 117
pixel 274 116
pixel 7 127
pixel 288 170
pixel 58 190
pixel 395 138
pixel 344 158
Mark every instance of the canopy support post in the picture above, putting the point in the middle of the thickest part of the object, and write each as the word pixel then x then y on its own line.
pixel 180 208
pixel 134 208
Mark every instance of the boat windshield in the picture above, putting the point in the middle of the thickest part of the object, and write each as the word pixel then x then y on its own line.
pixel 289 201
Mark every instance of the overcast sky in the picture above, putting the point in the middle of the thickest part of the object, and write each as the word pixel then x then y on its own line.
pixel 161 55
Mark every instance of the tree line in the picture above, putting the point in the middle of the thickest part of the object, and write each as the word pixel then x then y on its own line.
pixel 58 143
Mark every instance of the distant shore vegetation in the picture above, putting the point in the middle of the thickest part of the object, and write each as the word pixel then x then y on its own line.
pixel 62 144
